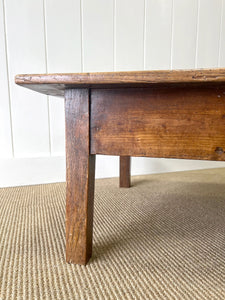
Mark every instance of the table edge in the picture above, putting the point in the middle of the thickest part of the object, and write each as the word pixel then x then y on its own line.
pixel 125 78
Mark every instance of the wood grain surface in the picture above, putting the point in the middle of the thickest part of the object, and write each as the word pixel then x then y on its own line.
pixel 125 162
pixel 80 174
pixel 172 123
pixel 55 84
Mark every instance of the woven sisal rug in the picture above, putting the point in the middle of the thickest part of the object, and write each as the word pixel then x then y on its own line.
pixel 164 238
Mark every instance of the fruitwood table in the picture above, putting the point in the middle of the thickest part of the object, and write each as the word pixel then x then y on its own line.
pixel 170 114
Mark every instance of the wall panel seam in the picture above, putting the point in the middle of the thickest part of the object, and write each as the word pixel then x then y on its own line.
pixel 197 34
pixel 172 33
pixel 144 35
pixel 81 36
pixel 46 66
pixel 114 35
pixel 8 85
pixel 221 30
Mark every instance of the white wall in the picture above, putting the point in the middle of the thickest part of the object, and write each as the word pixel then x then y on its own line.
pixel 39 36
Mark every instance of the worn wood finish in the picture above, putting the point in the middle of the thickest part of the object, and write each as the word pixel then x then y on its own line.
pixel 172 123
pixel 55 84
pixel 80 172
pixel 171 114
pixel 125 171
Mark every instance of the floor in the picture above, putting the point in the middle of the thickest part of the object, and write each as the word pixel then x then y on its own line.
pixel 164 238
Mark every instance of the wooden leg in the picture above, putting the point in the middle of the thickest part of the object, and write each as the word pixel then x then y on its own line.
pixel 80 176
pixel 125 171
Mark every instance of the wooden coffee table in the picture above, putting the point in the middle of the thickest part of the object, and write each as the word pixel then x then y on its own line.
pixel 170 114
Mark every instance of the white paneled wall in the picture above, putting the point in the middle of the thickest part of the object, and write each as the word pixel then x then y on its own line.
pixel 25 44
pixel 63 54
pixel 185 20
pixel 39 36
pixel 158 37
pixel 129 35
pixel 6 145
pixel 97 35
pixel 221 57
pixel 209 33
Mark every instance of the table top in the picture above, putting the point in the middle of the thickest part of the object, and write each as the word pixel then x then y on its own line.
pixel 55 84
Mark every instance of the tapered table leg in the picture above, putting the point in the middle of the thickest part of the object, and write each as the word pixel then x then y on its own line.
pixel 125 171
pixel 80 176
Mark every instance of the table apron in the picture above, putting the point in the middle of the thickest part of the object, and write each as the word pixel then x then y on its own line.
pixel 182 122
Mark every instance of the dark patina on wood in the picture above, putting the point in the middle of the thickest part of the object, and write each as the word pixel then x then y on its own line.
pixel 56 84
pixel 173 114
pixel 80 172
pixel 125 171
pixel 184 123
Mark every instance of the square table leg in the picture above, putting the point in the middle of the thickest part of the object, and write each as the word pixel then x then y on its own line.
pixel 80 176
pixel 125 171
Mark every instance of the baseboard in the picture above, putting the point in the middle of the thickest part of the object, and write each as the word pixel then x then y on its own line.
pixel 28 171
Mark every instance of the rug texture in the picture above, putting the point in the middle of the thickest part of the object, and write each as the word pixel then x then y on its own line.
pixel 164 238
